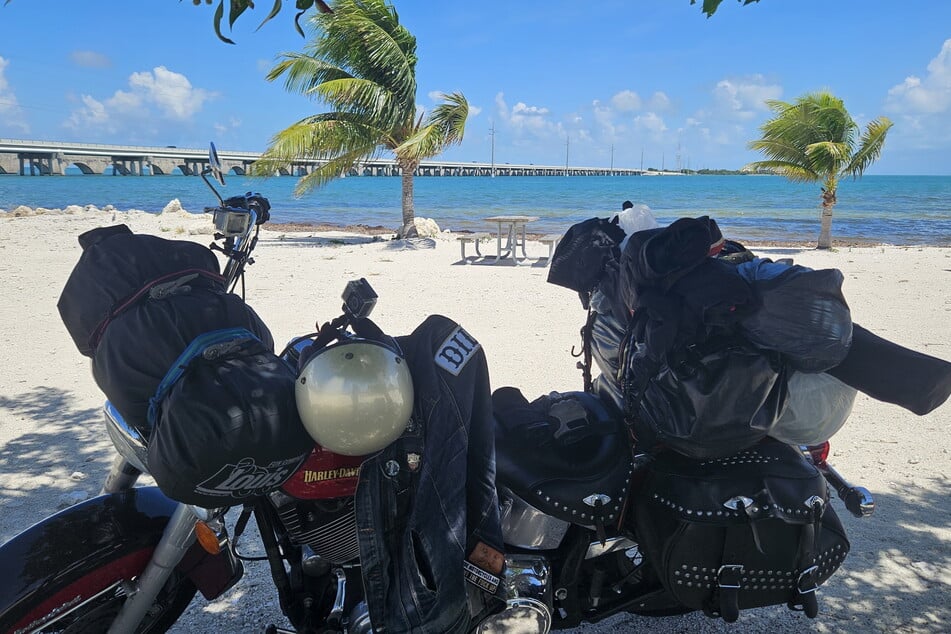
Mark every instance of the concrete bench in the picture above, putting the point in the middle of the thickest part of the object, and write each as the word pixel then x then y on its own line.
pixel 474 238
pixel 552 240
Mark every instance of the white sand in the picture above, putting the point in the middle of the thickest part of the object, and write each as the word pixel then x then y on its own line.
pixel 53 449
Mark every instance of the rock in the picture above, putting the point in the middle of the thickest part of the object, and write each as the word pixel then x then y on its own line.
pixel 21 211
pixel 73 209
pixel 174 206
pixel 72 497
pixel 109 208
pixel 426 227
pixel 77 475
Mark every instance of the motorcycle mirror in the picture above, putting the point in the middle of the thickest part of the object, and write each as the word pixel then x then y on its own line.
pixel 214 164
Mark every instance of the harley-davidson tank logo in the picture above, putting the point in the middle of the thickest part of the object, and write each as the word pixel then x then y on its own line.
pixel 456 350
pixel 330 474
pixel 247 478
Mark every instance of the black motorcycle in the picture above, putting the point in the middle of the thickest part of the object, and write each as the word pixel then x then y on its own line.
pixel 592 527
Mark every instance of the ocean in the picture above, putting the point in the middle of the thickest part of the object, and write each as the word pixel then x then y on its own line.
pixel 902 210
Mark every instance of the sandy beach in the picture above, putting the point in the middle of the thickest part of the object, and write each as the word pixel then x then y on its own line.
pixel 54 450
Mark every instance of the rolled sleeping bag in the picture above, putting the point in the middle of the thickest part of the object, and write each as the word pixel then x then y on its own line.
pixel 894 374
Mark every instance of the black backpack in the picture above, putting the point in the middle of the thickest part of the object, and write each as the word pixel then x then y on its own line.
pixel 747 531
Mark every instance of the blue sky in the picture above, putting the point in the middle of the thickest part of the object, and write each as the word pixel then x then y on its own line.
pixel 596 81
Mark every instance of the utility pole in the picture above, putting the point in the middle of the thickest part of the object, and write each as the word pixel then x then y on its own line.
pixel 612 159
pixel 492 134
pixel 642 159
pixel 567 143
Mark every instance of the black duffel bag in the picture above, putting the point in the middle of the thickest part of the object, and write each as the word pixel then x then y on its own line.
pixel 226 427
pixel 142 343
pixel 750 530
pixel 705 400
pixel 115 268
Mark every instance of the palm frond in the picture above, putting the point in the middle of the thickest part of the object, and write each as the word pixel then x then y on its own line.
pixel 445 126
pixel 326 136
pixel 870 146
pixel 304 72
pixel 366 38
pixel 794 172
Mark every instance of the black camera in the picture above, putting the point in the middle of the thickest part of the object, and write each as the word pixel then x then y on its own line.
pixel 359 298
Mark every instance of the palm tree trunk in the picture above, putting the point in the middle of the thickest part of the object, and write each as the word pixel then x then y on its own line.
pixel 825 224
pixel 408 230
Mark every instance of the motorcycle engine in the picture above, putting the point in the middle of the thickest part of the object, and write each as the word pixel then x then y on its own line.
pixel 327 527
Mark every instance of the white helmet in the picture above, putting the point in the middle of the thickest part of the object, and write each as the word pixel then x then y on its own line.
pixel 355 397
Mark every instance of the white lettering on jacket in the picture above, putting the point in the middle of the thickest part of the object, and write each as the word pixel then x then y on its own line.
pixel 456 350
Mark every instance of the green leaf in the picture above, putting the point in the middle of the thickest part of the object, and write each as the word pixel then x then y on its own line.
pixel 297 23
pixel 237 8
pixel 219 13
pixel 274 11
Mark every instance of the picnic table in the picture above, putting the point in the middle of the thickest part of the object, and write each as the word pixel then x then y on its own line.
pixel 513 228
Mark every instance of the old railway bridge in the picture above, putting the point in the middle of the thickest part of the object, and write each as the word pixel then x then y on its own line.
pixel 42 158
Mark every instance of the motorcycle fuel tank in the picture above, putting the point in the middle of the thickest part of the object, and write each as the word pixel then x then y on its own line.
pixel 324 475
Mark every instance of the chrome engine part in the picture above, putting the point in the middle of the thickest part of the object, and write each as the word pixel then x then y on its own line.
pixel 528 591
pixel 525 526
pixel 328 527
pixel 360 619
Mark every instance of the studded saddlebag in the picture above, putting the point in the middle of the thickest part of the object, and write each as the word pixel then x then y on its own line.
pixel 747 531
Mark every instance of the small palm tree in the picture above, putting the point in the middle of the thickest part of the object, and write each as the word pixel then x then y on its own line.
pixel 362 63
pixel 815 140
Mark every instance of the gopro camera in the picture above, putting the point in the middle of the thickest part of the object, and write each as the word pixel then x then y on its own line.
pixel 359 298
pixel 231 222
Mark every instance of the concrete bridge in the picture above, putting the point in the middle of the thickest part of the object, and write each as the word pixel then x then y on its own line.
pixel 43 158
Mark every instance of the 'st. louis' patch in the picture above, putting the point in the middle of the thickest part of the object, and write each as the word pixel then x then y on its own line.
pixel 455 352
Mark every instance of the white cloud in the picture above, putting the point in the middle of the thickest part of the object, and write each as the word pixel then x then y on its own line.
pixel 90 59
pixel 170 91
pixel 522 110
pixel 650 122
pixel 11 115
pixel 925 96
pixel 626 101
pixel 742 99
pixel 523 118
pixel 156 94
pixel 659 102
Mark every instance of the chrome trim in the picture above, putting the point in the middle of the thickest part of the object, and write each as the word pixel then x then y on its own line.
pixel 593 499
pixel 528 577
pixel 596 549
pixel 524 526
pixel 734 503
pixel 336 613
pixel 58 613
pixel 520 615
pixel 127 440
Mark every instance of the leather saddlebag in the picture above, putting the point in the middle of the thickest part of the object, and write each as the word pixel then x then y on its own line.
pixel 747 531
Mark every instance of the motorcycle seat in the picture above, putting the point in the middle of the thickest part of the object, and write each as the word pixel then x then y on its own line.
pixel 565 454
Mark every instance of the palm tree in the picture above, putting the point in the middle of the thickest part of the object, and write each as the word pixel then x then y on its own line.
pixel 362 64
pixel 815 140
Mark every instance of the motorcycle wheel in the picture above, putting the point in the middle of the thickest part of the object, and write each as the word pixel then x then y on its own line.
pixel 86 602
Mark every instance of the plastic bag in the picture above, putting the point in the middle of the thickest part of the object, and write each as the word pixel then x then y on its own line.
pixel 816 408
pixel 634 219
pixel 802 314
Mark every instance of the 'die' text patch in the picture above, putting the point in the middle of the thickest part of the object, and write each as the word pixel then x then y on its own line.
pixel 455 351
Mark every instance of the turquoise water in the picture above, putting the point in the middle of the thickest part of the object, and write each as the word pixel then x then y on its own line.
pixel 904 210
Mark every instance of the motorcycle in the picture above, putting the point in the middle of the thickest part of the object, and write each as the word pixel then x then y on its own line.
pixel 132 560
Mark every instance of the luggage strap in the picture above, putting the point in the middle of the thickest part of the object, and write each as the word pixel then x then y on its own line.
pixel 176 280
pixel 210 345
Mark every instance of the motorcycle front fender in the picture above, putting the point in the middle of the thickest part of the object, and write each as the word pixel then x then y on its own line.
pixel 94 533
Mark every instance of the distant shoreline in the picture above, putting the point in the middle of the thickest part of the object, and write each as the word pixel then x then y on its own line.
pixel 378 230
